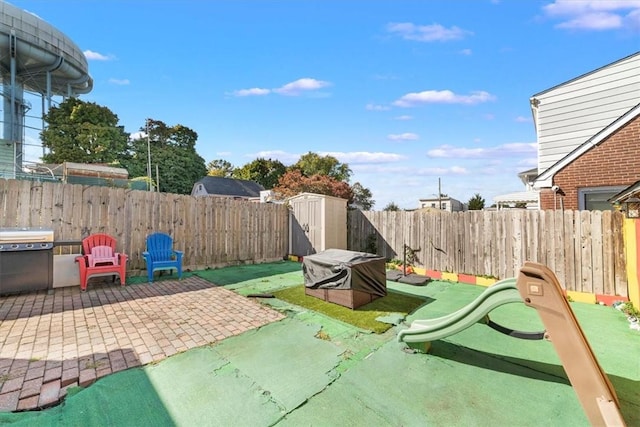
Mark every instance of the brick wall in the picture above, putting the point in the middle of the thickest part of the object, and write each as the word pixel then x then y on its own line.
pixel 615 161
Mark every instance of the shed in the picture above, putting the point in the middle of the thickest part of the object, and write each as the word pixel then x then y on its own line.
pixel 317 222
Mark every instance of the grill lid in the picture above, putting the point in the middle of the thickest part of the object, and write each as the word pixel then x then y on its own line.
pixel 25 235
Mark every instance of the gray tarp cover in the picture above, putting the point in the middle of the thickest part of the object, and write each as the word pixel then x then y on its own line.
pixel 341 269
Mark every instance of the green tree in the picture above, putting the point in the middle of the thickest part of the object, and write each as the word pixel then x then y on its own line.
pixel 220 167
pixel 391 206
pixel 313 164
pixel 293 182
pixel 83 132
pixel 362 197
pixel 323 175
pixel 173 155
pixel 476 203
pixel 265 172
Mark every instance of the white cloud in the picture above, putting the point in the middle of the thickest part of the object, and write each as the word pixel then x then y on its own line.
pixel 426 33
pixel 442 97
pixel 137 135
pixel 32 147
pixel 529 162
pixel 294 88
pixel 95 56
pixel 403 117
pixel 595 14
pixel 505 150
pixel 301 85
pixel 438 171
pixel 407 136
pixel 593 21
pixel 285 157
pixel 522 119
pixel 375 107
pixel 119 82
pixel 352 158
pixel 255 91
pixel 359 157
pixel 458 170
pixel 466 52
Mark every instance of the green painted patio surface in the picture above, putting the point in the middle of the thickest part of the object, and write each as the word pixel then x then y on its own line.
pixel 286 374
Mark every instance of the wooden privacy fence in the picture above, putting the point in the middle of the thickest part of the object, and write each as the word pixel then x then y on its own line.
pixel 211 231
pixel 585 249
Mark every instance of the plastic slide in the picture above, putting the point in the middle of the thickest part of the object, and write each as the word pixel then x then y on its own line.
pixel 541 290
pixel 427 330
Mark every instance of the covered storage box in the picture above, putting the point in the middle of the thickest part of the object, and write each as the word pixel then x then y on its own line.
pixel 347 278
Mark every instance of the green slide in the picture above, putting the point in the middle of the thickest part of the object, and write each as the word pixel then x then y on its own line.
pixel 424 331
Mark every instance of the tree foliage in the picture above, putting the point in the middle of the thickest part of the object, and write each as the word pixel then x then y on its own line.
pixel 265 172
pixel 391 206
pixel 476 203
pixel 83 132
pixel 294 182
pixel 220 167
pixel 311 164
pixel 362 197
pixel 173 154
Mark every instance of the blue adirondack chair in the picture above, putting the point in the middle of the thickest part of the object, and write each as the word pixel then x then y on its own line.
pixel 160 255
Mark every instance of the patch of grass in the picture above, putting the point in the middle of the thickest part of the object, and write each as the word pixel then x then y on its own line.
pixel 363 317
pixel 242 273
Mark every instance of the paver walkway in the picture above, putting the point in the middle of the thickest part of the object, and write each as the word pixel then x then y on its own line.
pixel 50 342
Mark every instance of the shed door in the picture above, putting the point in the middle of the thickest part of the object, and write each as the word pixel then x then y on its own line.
pixel 306 227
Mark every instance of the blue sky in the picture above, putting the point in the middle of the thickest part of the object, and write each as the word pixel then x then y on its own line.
pixel 405 92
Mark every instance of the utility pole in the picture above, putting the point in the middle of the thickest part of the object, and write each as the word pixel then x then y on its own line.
pixel 148 156
pixel 439 195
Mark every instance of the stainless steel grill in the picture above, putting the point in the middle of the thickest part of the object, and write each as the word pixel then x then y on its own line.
pixel 26 259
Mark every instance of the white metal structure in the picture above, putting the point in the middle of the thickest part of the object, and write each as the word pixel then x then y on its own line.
pixel 34 57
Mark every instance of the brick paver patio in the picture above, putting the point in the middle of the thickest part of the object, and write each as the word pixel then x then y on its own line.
pixel 50 341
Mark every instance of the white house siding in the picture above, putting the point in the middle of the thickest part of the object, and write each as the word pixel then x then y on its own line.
pixel 571 113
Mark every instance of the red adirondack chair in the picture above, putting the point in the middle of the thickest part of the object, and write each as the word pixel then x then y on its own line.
pixel 99 258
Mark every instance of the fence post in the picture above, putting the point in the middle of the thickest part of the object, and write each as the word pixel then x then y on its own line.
pixel 631 227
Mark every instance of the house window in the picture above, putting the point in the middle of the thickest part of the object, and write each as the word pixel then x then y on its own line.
pixel 595 198
pixel 433 205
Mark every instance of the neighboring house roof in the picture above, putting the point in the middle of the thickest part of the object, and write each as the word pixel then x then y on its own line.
pixel 218 186
pixel 585 74
pixel 517 197
pixel 527 177
pixel 527 196
pixel 631 191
